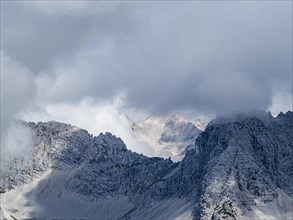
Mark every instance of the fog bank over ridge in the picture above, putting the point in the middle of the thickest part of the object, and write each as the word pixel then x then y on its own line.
pixel 161 57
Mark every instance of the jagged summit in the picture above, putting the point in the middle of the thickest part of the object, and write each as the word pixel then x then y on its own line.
pixel 240 168
pixel 110 140
pixel 288 114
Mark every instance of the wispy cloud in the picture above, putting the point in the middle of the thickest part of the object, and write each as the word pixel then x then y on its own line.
pixel 94 116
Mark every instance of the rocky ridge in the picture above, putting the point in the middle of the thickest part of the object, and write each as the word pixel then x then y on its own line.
pixel 240 166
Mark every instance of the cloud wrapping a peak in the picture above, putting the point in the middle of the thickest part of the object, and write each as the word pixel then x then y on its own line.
pixel 210 57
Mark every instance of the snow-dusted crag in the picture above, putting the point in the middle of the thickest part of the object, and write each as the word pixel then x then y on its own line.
pixel 240 168
pixel 68 165
pixel 246 167
pixel 168 136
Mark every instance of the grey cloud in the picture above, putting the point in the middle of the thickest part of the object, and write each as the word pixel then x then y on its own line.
pixel 208 56
pixel 39 39
pixel 17 91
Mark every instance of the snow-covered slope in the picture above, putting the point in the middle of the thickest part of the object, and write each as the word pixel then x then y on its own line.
pixel 168 136
pixel 241 168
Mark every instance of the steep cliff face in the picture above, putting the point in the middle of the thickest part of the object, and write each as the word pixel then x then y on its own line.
pixel 241 168
pixel 245 161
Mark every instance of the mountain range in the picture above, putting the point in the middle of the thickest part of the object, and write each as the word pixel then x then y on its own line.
pixel 240 167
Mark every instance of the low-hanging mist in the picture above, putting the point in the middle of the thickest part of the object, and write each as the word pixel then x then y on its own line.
pixel 208 57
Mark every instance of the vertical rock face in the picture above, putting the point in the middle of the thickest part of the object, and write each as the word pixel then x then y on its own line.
pixel 243 160
pixel 240 166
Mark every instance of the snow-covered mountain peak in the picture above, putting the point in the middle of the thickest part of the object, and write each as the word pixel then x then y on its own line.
pixel 168 136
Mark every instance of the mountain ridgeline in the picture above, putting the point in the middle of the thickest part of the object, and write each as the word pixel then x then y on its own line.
pixel 240 168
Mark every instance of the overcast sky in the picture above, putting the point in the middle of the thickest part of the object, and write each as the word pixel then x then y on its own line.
pixel 158 57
